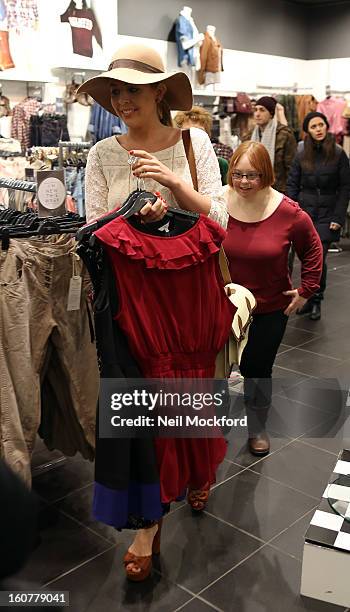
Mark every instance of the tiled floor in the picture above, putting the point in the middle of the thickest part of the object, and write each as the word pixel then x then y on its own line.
pixel 244 553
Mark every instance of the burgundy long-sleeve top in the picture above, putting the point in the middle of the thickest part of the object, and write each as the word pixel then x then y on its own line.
pixel 258 255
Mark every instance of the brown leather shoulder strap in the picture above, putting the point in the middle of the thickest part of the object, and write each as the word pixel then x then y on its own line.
pixel 186 139
pixel 225 272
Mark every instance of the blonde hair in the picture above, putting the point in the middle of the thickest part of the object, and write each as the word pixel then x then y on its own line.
pixel 197 116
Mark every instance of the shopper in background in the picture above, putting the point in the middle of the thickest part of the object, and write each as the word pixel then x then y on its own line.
pixel 202 119
pixel 278 139
pixel 137 89
pixel 262 225
pixel 319 180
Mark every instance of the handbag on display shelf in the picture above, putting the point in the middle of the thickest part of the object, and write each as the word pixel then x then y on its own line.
pixel 241 297
pixel 243 104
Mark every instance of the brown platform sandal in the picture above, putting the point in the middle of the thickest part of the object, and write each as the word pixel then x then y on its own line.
pixel 197 498
pixel 143 563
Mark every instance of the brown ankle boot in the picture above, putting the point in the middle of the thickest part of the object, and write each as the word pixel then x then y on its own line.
pixel 260 444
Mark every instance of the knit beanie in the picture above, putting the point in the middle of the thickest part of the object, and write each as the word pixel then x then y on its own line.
pixel 269 103
pixel 312 115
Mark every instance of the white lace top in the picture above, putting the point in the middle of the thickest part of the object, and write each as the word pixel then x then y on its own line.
pixel 109 179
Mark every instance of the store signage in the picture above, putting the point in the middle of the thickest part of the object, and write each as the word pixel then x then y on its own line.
pixel 51 193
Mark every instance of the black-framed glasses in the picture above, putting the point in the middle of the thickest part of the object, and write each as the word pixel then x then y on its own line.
pixel 250 176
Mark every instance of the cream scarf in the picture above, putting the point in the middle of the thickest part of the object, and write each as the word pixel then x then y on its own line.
pixel 268 138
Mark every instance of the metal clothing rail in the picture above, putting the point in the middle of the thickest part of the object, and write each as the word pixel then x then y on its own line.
pixel 62 144
pixel 292 88
pixel 17 184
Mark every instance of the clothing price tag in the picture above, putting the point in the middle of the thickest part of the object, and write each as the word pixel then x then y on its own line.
pixel 74 293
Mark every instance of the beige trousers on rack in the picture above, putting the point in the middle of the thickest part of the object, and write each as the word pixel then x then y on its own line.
pixel 34 285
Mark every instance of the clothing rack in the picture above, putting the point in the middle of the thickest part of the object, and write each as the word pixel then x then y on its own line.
pixel 5 154
pixel 70 145
pixel 49 465
pixel 291 88
pixel 329 91
pixel 17 184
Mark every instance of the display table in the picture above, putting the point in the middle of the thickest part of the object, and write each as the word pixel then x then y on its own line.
pixel 326 558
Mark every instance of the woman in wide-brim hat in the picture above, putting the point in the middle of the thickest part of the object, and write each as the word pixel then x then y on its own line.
pixel 137 88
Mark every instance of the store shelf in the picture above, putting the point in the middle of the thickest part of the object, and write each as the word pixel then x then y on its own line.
pixel 10 75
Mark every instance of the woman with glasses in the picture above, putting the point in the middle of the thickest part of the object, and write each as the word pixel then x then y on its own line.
pixel 263 224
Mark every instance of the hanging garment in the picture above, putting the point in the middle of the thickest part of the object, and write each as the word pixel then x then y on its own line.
pixel 185 32
pixel 6 60
pixel 305 105
pixel 222 150
pixel 173 338
pixel 34 286
pixel 127 489
pixel 333 108
pixel 211 57
pixel 289 103
pixel 22 15
pixel 84 26
pixel 20 127
pixel 46 130
pixel 5 107
pixel 103 124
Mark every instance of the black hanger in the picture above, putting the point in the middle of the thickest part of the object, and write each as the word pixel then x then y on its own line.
pixel 137 200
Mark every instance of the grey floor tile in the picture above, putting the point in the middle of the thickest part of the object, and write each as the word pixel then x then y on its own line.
pixel 292 540
pixel 78 505
pixel 300 466
pixel 301 361
pixel 327 394
pixel 285 378
pixel 330 436
pixel 258 505
pixel 198 549
pixel 283 348
pixel 330 345
pixel 64 545
pixel 269 580
pixel 292 419
pixel 101 585
pixel 197 605
pixel 294 336
pixel 74 474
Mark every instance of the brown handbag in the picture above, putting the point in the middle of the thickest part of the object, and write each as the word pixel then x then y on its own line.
pixel 230 353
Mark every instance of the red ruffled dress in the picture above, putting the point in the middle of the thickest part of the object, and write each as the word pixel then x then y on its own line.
pixel 177 317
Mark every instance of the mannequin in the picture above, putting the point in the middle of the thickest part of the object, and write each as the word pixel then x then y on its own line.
pixel 211 31
pixel 186 12
pixel 211 58
pixel 188 39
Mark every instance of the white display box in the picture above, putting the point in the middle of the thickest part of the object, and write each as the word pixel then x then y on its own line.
pixel 326 557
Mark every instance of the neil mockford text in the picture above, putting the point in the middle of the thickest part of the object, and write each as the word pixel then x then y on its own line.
pixel 178 421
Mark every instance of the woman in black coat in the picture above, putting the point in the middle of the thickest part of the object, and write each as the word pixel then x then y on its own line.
pixel 319 179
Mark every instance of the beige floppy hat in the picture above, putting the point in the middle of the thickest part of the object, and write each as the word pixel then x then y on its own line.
pixel 139 65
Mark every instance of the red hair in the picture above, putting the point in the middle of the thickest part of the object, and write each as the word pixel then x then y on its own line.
pixel 259 159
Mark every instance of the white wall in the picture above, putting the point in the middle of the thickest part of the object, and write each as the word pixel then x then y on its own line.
pixel 49 58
